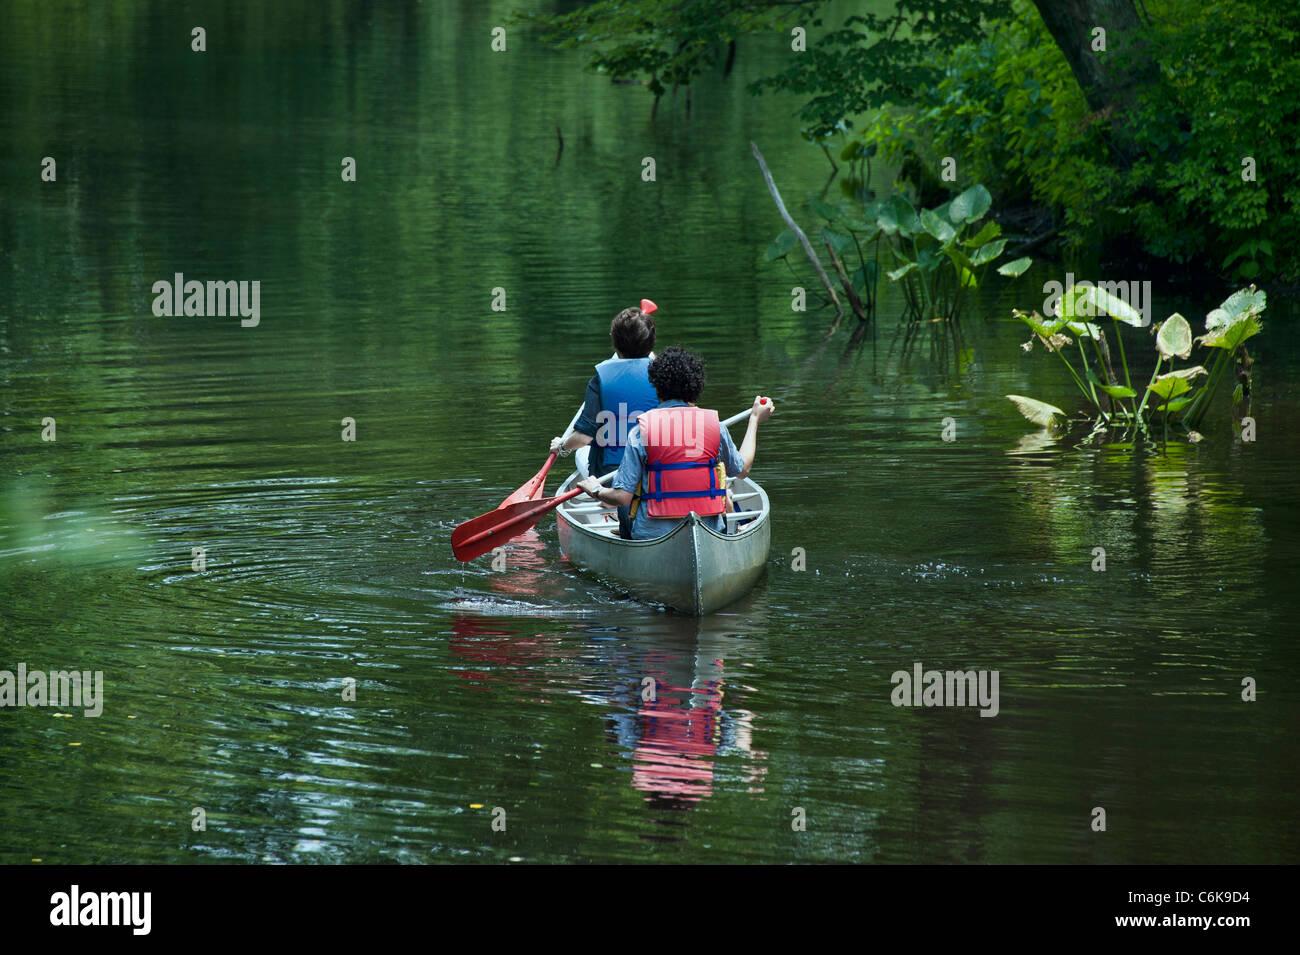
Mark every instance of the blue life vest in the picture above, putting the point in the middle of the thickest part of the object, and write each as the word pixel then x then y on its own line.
pixel 625 393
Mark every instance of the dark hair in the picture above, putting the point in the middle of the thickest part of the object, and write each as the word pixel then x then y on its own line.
pixel 633 333
pixel 676 373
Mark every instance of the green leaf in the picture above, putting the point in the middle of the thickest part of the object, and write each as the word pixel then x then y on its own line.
pixel 1169 386
pixel 1090 301
pixel 1174 338
pixel 1178 404
pixel 782 245
pixel 989 252
pixel 1231 337
pixel 1175 383
pixel 1239 304
pixel 970 206
pixel 937 226
pixel 990 231
pixel 1039 412
pixel 898 273
pixel 908 222
pixel 1117 391
pixel 1016 268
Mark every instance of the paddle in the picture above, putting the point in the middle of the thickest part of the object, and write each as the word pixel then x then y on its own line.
pixel 532 489
pixel 488 531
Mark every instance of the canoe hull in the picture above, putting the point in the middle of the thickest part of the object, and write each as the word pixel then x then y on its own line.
pixel 693 570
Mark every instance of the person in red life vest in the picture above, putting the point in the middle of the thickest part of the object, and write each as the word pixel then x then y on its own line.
pixel 678 457
pixel 618 392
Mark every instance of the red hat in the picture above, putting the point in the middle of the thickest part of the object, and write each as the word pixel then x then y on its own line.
pixel 648 306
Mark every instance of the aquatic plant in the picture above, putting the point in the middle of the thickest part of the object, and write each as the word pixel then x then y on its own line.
pixel 936 255
pixel 1183 392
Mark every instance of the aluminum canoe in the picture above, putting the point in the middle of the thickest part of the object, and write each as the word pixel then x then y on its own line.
pixel 693 569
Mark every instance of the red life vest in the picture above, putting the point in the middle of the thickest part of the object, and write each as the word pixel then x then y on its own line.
pixel 681 447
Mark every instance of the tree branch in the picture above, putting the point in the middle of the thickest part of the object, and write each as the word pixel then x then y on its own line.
pixel 799 233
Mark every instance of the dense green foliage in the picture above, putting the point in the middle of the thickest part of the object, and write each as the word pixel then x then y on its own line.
pixel 1009 110
pixel 1204 172
pixel 938 256
pixel 1173 391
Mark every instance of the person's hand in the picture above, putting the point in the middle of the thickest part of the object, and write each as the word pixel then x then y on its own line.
pixel 762 410
pixel 591 486
pixel 556 445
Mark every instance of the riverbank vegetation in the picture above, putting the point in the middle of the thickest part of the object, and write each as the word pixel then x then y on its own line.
pixel 1183 394
pixel 1157 127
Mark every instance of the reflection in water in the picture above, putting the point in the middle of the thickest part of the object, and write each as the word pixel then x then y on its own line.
pixel 663 685
pixel 672 721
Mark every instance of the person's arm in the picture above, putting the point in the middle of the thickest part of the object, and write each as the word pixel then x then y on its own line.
pixel 584 431
pixel 626 480
pixel 607 495
pixel 761 411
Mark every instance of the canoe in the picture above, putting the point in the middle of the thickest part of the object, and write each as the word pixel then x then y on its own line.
pixel 693 569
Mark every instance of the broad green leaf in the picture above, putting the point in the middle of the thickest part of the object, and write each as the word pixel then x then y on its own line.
pixel 897 274
pixel 1090 301
pixel 1237 305
pixel 1175 383
pixel 1230 337
pixel 1178 404
pixel 1039 412
pixel 909 223
pixel 989 252
pixel 990 231
pixel 782 245
pixel 937 226
pixel 1174 338
pixel 1046 328
pixel 1169 386
pixel 1118 391
pixel 1016 268
pixel 970 206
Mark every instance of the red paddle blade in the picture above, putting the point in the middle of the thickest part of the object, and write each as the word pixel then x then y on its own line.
pixel 476 537
pixel 531 489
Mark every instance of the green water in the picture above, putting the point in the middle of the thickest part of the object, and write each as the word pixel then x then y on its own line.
pixel 520 689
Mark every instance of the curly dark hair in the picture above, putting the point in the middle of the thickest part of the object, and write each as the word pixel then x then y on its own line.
pixel 676 373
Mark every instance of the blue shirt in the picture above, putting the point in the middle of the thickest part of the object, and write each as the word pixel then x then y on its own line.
pixel 631 471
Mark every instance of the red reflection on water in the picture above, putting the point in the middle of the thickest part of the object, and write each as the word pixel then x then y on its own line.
pixel 674 756
pixel 514 655
pixel 680 733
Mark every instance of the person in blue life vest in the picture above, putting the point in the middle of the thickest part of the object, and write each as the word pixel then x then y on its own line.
pixel 618 392
pixel 678 457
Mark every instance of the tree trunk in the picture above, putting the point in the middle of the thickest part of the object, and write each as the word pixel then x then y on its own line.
pixel 1110 79
pixel 1104 76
